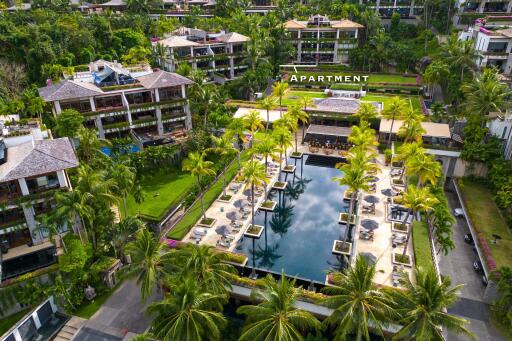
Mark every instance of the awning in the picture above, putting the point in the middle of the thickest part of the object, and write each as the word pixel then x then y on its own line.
pixel 441 130
pixel 316 129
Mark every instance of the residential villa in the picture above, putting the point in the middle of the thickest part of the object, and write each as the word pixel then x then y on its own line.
pixel 32 168
pixel 221 55
pixel 386 8
pixel 149 105
pixel 469 10
pixel 320 40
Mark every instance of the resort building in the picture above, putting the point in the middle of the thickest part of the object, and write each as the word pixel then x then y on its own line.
pixel 501 127
pixel 320 40
pixel 386 8
pixel 493 43
pixel 469 10
pixel 221 55
pixel 32 168
pixel 149 105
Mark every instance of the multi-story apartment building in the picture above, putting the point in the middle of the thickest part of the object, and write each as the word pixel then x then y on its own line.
pixel 32 168
pixel 493 43
pixel 150 105
pixel 320 40
pixel 386 8
pixel 221 55
pixel 469 10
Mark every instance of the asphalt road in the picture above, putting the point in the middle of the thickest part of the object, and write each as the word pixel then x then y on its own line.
pixel 458 264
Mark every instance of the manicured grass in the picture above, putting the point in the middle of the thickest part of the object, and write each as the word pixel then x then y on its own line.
pixel 291 96
pixel 87 310
pixel 194 214
pixel 7 322
pixel 386 99
pixel 487 219
pixel 422 251
pixel 162 190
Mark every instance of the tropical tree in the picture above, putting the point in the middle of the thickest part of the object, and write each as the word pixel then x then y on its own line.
pixel 253 172
pixel 71 206
pixel 300 116
pixel 363 137
pixel 68 123
pixel 283 139
pixel 89 145
pixel 268 103
pixel 366 112
pixel 51 226
pixel 208 266
pixel 124 176
pixel 223 146
pixel 408 151
pixel 198 167
pixel 416 200
pixel 426 168
pixel 148 257
pixel 279 90
pixel 121 232
pixel 236 128
pixel 436 73
pixel 188 312
pixel 460 54
pixel 305 102
pixel 265 147
pixel 423 305
pixel 276 317
pixel 253 121
pixel 357 302
pixel 396 109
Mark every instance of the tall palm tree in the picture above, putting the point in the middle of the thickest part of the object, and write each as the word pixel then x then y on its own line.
pixel 51 226
pixel 89 145
pixel 279 90
pixel 268 103
pixel 283 139
pixel 305 102
pixel 223 146
pixel 70 206
pixel 366 112
pixel 253 121
pixel 408 151
pixel 363 138
pixel 253 172
pixel 206 265
pixel 300 116
pixel 461 54
pixel 121 232
pixel 276 317
pixel 265 147
pixel 148 258
pixel 396 109
pixel 125 179
pixel 436 73
pixel 416 200
pixel 357 302
pixel 423 307
pixel 188 312
pixel 411 131
pixel 198 167
pixel 426 168
pixel 236 128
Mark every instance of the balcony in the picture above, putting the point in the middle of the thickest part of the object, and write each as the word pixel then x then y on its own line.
pixel 134 108
pixel 22 259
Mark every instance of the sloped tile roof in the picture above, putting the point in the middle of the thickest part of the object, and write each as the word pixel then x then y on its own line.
pixel 233 37
pixel 38 157
pixel 67 90
pixel 294 24
pixel 345 23
pixel 177 42
pixel 162 79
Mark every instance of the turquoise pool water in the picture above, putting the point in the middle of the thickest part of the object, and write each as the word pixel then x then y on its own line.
pixel 299 234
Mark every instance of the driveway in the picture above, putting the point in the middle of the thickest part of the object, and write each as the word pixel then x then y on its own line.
pixel 459 266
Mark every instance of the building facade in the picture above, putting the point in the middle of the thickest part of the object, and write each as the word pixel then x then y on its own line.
pixel 320 40
pixel 32 168
pixel 221 55
pixel 386 8
pixel 467 11
pixel 150 105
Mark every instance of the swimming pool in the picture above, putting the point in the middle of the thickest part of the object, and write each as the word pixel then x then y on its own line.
pixel 299 234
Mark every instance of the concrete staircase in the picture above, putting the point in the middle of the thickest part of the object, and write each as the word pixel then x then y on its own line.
pixel 70 329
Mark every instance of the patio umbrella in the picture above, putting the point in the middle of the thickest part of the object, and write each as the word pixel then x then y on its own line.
pixel 234 215
pixel 369 257
pixel 369 224
pixel 223 230
pixel 388 192
pixel 241 203
pixel 372 199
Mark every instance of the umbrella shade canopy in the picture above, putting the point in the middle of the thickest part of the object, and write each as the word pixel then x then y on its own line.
pixel 372 199
pixel 388 192
pixel 234 215
pixel 369 224
pixel 241 203
pixel 369 257
pixel 223 230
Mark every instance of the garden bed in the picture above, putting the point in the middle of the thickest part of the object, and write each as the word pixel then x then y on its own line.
pixel 342 248
pixel 399 227
pixel 343 219
pixel 421 245
pixel 279 185
pixel 253 231
pixel 397 182
pixel 347 196
pixel 289 169
pixel 207 222
pixel 268 205
pixel 225 198
pixel 296 155
pixel 400 259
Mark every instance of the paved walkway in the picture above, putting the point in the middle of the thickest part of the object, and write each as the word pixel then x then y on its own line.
pixel 458 264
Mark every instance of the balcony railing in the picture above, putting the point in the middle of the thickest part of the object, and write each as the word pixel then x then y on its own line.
pixel 136 107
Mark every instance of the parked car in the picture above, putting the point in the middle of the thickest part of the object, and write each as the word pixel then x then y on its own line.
pixel 477 265
pixel 458 212
pixel 468 238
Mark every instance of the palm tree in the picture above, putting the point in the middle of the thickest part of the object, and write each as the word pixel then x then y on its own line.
pixel 223 147
pixel 125 179
pixel 300 116
pixel 253 121
pixel 121 231
pixel 461 54
pixel 416 200
pixel 366 112
pixel 279 90
pixel 265 147
pixel 411 131
pixel 276 317
pixel 206 265
pixel 426 168
pixel 253 172
pixel 408 151
pixel 435 73
pixel 89 145
pixel 198 167
pixel 188 312
pixel 423 306
pixel 148 258
pixel 236 128
pixel 51 226
pixel 363 137
pixel 305 102
pixel 283 139
pixel 70 206
pixel 357 302
pixel 268 103
pixel 396 109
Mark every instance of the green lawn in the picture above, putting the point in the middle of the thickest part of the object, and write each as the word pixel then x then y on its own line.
pixel 180 230
pixel 292 96
pixel 7 322
pixel 90 308
pixel 385 99
pixel 162 190
pixel 372 79
pixel 487 219
pixel 422 251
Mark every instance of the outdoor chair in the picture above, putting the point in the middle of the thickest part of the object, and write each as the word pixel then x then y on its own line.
pixel 223 243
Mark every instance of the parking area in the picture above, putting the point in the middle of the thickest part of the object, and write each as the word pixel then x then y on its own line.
pixel 458 264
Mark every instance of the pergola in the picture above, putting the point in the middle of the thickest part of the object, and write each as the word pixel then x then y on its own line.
pixel 325 132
